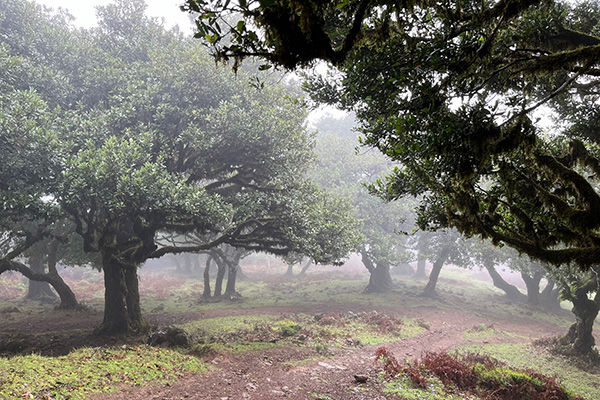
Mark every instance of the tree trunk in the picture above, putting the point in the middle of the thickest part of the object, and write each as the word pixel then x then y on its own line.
pixel 549 296
pixel 221 268
pixel 380 280
pixel 134 310
pixel 421 274
pixel 116 318
pixel 240 275
pixel 232 259
pixel 39 290
pixel 231 275
pixel 68 301
pixel 580 335
pixel 67 297
pixel 511 291
pixel 533 287
pixel 122 311
pixel 187 265
pixel 429 290
pixel 290 271
pixel 305 268
pixel 206 294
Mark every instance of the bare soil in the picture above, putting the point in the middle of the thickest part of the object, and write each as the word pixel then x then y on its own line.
pixel 294 372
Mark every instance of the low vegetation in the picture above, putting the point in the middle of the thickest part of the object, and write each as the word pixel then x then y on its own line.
pixel 467 376
pixel 91 370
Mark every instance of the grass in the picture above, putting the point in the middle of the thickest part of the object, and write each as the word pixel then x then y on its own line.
pixel 91 370
pixel 577 381
pixel 259 331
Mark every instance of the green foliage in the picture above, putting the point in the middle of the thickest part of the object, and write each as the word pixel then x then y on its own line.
pixel 91 370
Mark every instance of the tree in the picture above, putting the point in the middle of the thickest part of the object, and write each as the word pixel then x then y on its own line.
pixel 384 226
pixel 450 91
pixel 152 138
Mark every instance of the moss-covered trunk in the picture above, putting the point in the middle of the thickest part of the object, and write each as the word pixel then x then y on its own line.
pixel 122 310
pixel 580 335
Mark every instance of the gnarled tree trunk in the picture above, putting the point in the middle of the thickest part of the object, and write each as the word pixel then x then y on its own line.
pixel 511 291
pixel 305 268
pixel 580 335
pixel 39 290
pixel 122 311
pixel 532 282
pixel 550 296
pixel 380 279
pixel 206 294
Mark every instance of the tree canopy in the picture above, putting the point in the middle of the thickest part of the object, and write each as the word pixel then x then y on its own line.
pixel 455 93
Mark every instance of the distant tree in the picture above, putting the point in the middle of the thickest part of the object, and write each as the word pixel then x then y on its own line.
pixel 345 169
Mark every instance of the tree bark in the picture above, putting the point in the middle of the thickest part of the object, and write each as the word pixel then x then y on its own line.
pixel 240 275
pixel 231 275
pixel 134 310
pixel 580 335
pixel 232 259
pixel 206 294
pixel 221 269
pixel 549 296
pixel 122 311
pixel 380 279
pixel 305 268
pixel 533 287
pixel 442 256
pixel 290 271
pixel 116 318
pixel 39 290
pixel 511 291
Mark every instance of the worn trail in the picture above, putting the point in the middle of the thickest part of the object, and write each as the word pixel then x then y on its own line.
pixel 294 372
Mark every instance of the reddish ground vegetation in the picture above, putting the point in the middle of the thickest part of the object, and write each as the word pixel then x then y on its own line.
pixel 477 374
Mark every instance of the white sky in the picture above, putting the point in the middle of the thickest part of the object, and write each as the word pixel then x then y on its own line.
pixel 84 11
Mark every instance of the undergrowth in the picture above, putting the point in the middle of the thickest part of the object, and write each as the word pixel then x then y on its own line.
pixel 242 333
pixel 90 370
pixel 470 375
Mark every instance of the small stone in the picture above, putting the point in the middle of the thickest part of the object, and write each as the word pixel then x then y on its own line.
pixel 359 378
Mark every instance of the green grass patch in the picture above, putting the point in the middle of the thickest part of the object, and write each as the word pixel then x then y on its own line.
pixel 253 332
pixel 91 370
pixel 220 325
pixel 575 380
pixel 405 389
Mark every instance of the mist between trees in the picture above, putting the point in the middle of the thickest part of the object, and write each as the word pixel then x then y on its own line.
pixel 126 142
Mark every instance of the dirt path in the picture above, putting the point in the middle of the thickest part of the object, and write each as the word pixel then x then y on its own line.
pixel 290 372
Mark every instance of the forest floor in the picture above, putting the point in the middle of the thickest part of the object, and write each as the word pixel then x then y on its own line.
pixel 318 361
pixel 295 372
